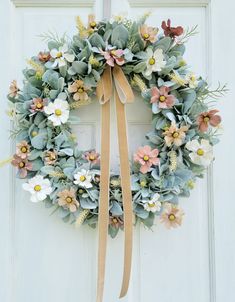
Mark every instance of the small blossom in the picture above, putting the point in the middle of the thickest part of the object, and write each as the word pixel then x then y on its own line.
pixel 161 99
pixel 44 56
pixel 13 90
pixel 146 157
pixel 171 31
pixel 113 56
pixel 175 135
pixel 79 91
pixel 83 179
pixel 50 157
pixel 172 216
pixel 93 157
pixel 201 152
pixel 38 104
pixel 208 118
pixel 61 56
pixel 115 182
pixel 153 205
pixel 92 24
pixel 22 164
pixel 39 188
pixel 58 112
pixel 67 200
pixel 155 61
pixel 148 33
pixel 191 80
pixel 116 222
pixel 23 149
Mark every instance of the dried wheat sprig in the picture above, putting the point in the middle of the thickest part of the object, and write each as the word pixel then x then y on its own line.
pixel 81 218
pixel 173 161
pixel 78 104
pixel 140 83
pixel 5 161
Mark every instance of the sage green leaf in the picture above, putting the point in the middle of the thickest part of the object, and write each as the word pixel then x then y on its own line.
pixel 40 140
pixel 116 209
pixel 37 164
pixel 164 43
pixel 189 97
pixel 140 67
pixel 119 36
pixel 78 67
pixel 34 154
pixel 96 40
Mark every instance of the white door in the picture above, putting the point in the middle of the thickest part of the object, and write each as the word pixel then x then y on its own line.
pixel 44 260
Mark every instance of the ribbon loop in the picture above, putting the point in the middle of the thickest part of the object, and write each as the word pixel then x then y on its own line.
pixel 123 95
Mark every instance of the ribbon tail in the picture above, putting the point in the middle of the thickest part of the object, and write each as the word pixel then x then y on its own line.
pixel 126 192
pixel 103 219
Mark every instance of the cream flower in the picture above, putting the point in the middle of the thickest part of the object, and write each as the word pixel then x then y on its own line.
pixel 153 205
pixel 39 188
pixel 201 152
pixel 191 80
pixel 83 179
pixel 58 112
pixel 155 61
pixel 61 55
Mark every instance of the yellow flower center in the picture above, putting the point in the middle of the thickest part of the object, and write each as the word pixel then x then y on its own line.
pixel 206 119
pixel 34 133
pixel 59 54
pixel 39 105
pixel 193 78
pixel 115 220
pixel 191 184
pixel 21 165
pixel 146 158
pixel 92 157
pixel 171 217
pixel 143 183
pixel 58 112
pixel 162 98
pixel 175 134
pixel 23 149
pixel 80 191
pixel 151 205
pixel 151 61
pixel 113 52
pixel 93 24
pixel 80 90
pixel 200 152
pixel 82 178
pixel 37 188
pixel 146 36
pixel 69 199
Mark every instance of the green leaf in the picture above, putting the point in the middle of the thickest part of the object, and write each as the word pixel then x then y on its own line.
pixel 119 36
pixel 189 97
pixel 116 209
pixel 37 164
pixel 96 40
pixel 40 140
pixel 140 67
pixel 78 67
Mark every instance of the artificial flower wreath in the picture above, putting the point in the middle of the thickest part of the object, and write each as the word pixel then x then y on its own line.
pixel 63 78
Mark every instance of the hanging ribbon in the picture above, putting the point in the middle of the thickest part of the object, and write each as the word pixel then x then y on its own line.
pixel 123 94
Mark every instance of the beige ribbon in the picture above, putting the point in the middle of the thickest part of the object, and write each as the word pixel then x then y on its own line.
pixel 123 95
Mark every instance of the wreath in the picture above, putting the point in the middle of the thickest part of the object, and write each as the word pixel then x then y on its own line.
pixel 64 78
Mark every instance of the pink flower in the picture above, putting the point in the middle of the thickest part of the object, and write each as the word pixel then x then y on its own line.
pixel 93 157
pixel 23 149
pixel 161 99
pixel 148 33
pixel 23 165
pixel 38 104
pixel 113 56
pixel 208 118
pixel 172 216
pixel 146 157
pixel 116 222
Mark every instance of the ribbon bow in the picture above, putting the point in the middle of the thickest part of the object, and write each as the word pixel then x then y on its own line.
pixel 123 94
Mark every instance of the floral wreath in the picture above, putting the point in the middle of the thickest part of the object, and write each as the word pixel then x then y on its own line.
pixel 62 79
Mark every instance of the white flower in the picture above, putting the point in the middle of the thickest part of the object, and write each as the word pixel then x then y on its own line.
pixel 191 80
pixel 153 205
pixel 83 179
pixel 38 187
pixel 201 152
pixel 155 61
pixel 58 112
pixel 61 55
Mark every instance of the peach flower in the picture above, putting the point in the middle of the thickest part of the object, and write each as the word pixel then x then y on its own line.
pixel 146 157
pixel 50 157
pixel 148 33
pixel 116 222
pixel 161 99
pixel 22 149
pixel 172 216
pixel 67 200
pixel 175 135
pixel 38 104
pixel 208 118
pixel 13 89
pixel 79 90
pixel 44 56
